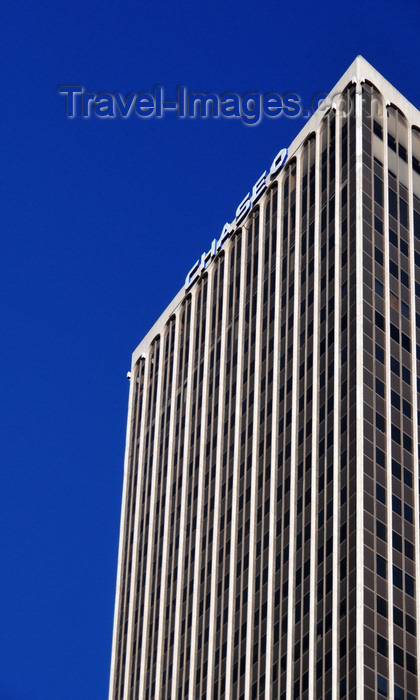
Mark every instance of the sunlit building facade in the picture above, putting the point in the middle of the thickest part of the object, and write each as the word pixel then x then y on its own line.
pixel 270 520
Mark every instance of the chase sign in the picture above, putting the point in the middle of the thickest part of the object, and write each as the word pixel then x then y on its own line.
pixel 244 207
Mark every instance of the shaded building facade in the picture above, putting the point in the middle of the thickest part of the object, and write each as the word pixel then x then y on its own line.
pixel 270 520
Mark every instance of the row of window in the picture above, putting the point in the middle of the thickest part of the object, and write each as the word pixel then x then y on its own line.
pixel 395 467
pixel 396 367
pixel 395 333
pixel 404 582
pixel 407 441
pixel 399 694
pixel 398 615
pixel 409 662
pixel 396 400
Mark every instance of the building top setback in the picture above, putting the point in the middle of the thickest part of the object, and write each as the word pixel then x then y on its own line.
pixel 359 71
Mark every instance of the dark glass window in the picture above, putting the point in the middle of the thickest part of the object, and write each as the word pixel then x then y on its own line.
pixel 380 457
pixel 398 693
pixel 381 606
pixel 380 566
pixel 406 408
pixel 382 686
pixel 379 256
pixel 379 288
pixel 397 577
pixel 408 513
pixel 393 268
pixel 395 366
pixel 405 309
pixel 377 129
pixel 379 321
pixel 379 353
pixel 382 645
pixel 396 504
pixel 378 190
pixel 380 388
pixel 381 530
pixel 380 493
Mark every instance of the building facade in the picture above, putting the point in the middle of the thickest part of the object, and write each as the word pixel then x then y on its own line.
pixel 269 541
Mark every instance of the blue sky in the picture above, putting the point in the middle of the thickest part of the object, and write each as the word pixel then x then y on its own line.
pixel 101 220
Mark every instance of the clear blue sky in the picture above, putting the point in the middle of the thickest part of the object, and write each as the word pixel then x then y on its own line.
pixel 100 221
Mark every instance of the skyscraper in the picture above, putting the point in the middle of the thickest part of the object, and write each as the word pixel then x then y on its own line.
pixel 269 541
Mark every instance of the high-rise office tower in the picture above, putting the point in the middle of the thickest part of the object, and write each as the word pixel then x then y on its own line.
pixel 270 523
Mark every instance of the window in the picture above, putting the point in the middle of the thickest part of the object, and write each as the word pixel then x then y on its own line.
pixel 396 468
pixel 398 655
pixel 380 493
pixel 380 388
pixel 396 504
pixel 396 434
pixel 406 342
pixel 382 686
pixel 411 663
pixel 379 321
pixel 398 617
pixel 407 443
pixel 380 422
pixel 397 577
pixel 406 374
pixel 398 693
pixel 393 203
pixel 380 566
pixel 379 257
pixel 410 624
pixel 378 190
pixel 377 129
pixel 393 268
pixel 380 457
pixel 395 366
pixel 379 353
pixel 381 530
pixel 382 645
pixel 396 541
pixel 393 238
pixel 403 212
pixel 408 478
pixel 395 399
pixel 405 309
pixel 404 278
pixel 409 549
pixel 406 408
